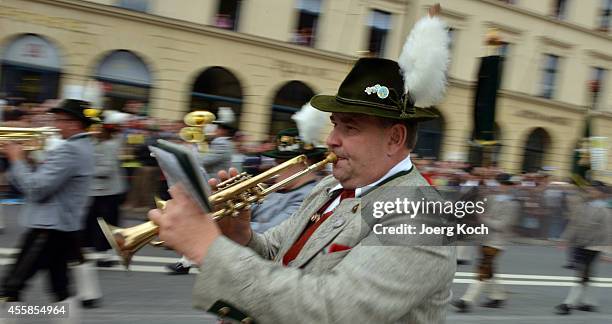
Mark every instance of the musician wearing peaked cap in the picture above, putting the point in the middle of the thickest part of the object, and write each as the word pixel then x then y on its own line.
pixel 279 205
pixel 56 195
pixel 317 266
pixel 221 148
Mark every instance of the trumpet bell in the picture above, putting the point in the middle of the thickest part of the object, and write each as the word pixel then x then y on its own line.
pixel 198 118
pixel 127 241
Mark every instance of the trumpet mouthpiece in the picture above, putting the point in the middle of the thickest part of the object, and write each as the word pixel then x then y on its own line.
pixel 332 158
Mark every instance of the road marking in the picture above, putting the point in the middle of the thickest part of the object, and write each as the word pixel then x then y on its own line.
pixel 11 252
pixel 533 277
pixel 460 277
pixel 535 283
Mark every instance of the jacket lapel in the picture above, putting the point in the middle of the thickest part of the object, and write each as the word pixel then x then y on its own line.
pixel 344 214
pixel 316 204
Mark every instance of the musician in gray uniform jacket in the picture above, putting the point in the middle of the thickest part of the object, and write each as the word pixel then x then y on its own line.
pixel 221 149
pixel 322 265
pixel 56 196
pixel 279 205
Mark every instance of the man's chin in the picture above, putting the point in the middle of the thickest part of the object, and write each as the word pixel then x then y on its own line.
pixel 339 174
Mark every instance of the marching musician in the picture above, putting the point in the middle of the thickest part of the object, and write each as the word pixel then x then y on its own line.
pixel 56 197
pixel 281 204
pixel 221 149
pixel 317 266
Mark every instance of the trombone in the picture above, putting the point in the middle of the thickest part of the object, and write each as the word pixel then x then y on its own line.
pixel 233 195
pixel 33 138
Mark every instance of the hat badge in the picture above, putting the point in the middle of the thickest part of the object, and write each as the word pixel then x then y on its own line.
pixel 381 91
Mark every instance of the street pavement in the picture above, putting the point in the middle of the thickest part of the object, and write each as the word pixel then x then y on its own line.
pixel 532 276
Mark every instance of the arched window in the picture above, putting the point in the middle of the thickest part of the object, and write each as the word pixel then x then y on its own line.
pixel 287 101
pixel 536 146
pixel 126 80
pixel 217 87
pixel 30 69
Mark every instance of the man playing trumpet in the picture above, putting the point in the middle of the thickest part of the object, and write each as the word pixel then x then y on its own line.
pixel 316 266
pixel 56 197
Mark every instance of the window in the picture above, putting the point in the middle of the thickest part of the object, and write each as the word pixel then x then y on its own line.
pixel 504 49
pixel 598 75
pixel 560 9
pixel 380 24
pixel 550 71
pixel 227 14
pixel 136 5
pixel 606 12
pixel 308 17
pixel 452 34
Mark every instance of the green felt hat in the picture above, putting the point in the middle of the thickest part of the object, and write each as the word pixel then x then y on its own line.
pixel 289 145
pixel 374 87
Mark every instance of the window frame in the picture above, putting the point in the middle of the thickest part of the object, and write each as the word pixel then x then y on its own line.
pixel 548 71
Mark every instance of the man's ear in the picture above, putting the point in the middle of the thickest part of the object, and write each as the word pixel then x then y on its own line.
pixel 397 138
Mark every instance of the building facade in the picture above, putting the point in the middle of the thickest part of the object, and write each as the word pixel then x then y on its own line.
pixel 266 58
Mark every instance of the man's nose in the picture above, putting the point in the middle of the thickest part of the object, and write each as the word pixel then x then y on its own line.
pixel 332 139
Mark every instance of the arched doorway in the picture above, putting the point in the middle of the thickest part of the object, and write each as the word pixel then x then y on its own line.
pixel 287 101
pixel 429 139
pixel 217 87
pixel 126 80
pixel 30 69
pixel 536 146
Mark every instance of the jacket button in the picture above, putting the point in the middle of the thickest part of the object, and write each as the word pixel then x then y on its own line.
pixel 247 320
pixel 338 222
pixel 223 311
pixel 355 208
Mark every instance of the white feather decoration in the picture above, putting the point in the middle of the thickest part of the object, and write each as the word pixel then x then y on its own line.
pixel 424 61
pixel 93 94
pixel 310 123
pixel 225 115
pixel 72 92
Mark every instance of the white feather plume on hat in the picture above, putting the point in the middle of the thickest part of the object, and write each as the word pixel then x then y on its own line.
pixel 424 61
pixel 310 123
pixel 113 117
pixel 91 92
pixel 225 116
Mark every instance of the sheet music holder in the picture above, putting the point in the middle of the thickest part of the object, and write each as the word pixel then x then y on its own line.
pixel 180 166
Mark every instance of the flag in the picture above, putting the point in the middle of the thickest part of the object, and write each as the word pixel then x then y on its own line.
pixel 489 76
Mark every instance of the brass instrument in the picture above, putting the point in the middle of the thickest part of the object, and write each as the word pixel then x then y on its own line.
pixel 194 133
pixel 31 138
pixel 233 195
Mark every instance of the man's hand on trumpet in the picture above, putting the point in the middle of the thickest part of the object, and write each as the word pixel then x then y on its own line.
pixel 189 231
pixel 238 227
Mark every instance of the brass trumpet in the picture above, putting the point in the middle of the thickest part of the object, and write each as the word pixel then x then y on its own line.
pixel 32 138
pixel 233 195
